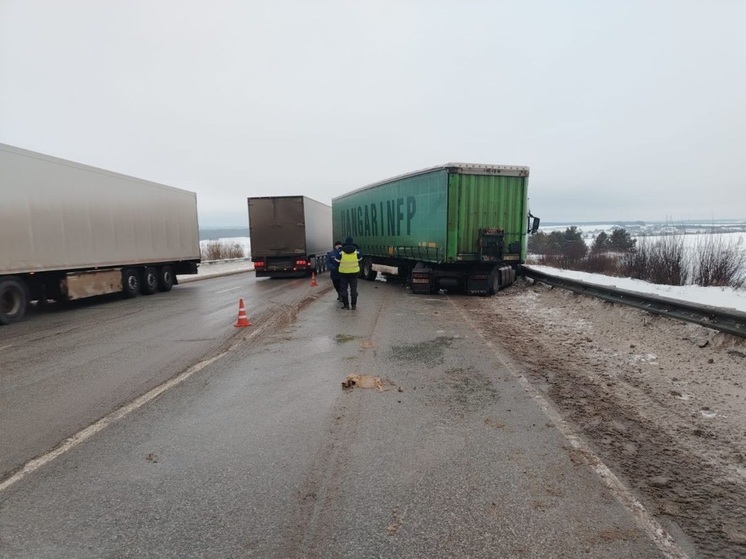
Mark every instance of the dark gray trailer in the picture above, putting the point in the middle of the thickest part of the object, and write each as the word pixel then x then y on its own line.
pixel 290 235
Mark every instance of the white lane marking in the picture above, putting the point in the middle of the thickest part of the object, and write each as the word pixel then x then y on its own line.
pixel 643 518
pixel 230 289
pixel 117 415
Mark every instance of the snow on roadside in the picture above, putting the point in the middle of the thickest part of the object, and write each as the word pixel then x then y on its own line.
pixel 723 297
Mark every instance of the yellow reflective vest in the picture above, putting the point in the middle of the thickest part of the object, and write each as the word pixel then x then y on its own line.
pixel 348 263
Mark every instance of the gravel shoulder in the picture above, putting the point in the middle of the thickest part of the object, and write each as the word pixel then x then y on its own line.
pixel 662 402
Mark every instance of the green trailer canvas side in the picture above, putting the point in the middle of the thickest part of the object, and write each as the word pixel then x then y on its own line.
pixel 477 202
pixel 458 226
pixel 450 224
pixel 403 218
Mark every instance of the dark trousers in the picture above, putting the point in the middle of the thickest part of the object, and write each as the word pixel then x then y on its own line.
pixel 348 280
pixel 336 282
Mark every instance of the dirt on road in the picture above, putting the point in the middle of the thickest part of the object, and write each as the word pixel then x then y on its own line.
pixel 662 402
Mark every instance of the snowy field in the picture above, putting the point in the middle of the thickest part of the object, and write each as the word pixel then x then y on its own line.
pixel 692 233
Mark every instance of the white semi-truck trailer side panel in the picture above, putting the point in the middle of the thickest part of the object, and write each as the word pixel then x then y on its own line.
pixel 60 215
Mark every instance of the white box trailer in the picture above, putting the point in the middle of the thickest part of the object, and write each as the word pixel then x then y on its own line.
pixel 69 231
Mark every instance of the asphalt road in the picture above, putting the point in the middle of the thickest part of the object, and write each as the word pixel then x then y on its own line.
pixel 264 454
pixel 61 369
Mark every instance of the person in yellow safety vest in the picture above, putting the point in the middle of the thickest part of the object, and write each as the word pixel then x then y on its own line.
pixel 349 268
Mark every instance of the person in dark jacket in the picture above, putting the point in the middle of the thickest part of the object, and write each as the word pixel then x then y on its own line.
pixel 332 262
pixel 349 268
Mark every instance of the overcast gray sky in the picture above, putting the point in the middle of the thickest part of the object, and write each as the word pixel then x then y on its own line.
pixel 624 110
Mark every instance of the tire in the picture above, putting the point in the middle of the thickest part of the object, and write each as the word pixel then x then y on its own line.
pixel 368 272
pixel 130 283
pixel 149 284
pixel 13 301
pixel 166 278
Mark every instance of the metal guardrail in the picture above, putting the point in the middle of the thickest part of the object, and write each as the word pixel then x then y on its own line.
pixel 731 322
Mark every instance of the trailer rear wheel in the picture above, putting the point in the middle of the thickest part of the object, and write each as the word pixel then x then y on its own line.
pixel 368 272
pixel 150 281
pixel 13 301
pixel 166 278
pixel 130 283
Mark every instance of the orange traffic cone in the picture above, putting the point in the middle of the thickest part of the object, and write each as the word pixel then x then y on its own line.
pixel 313 280
pixel 243 320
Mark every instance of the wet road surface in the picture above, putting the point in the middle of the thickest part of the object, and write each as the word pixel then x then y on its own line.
pixel 61 369
pixel 264 454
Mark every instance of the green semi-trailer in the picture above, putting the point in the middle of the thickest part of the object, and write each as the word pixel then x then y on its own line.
pixel 457 227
